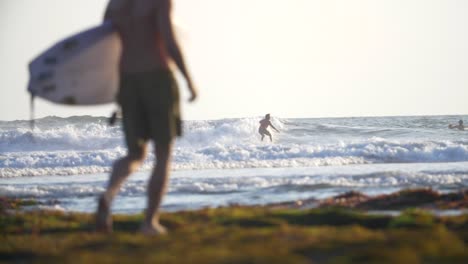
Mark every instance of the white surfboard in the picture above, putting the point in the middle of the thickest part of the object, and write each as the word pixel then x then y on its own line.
pixel 80 70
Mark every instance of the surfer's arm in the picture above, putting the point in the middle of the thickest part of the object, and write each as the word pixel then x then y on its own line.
pixel 273 127
pixel 173 48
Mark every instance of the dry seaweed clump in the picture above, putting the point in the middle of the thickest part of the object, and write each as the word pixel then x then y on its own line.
pixel 413 198
pixel 9 204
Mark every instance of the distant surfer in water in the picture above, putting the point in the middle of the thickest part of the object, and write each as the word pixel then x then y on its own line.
pixel 460 126
pixel 149 98
pixel 264 124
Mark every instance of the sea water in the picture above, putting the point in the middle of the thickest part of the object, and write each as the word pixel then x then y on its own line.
pixel 64 162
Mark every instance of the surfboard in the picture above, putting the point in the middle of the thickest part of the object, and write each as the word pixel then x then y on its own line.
pixel 82 69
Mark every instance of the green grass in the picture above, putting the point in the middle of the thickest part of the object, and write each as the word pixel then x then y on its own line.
pixel 238 235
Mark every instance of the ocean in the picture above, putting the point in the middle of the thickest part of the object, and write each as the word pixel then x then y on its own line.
pixel 64 163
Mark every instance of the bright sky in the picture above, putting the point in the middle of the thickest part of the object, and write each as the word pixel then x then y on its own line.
pixel 295 58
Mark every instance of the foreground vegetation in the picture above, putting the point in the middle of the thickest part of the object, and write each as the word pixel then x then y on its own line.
pixel 237 235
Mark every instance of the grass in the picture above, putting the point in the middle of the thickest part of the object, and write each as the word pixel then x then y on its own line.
pixel 238 235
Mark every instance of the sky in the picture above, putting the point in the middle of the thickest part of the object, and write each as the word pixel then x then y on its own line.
pixel 295 58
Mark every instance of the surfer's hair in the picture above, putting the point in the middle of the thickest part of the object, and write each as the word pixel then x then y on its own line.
pixel 267 116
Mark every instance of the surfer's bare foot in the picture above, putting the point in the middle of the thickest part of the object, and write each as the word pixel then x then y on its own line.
pixel 153 230
pixel 103 217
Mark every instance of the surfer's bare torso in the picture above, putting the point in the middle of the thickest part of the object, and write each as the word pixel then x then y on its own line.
pixel 148 39
pixel 138 23
pixel 264 124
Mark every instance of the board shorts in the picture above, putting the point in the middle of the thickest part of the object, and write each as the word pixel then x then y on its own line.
pixel 150 108
pixel 264 131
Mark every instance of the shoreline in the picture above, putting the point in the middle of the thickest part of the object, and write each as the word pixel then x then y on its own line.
pixel 418 198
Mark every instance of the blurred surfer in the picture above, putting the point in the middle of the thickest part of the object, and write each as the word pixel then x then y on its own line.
pixel 460 126
pixel 149 98
pixel 264 124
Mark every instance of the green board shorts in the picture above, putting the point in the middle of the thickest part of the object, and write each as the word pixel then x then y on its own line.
pixel 150 108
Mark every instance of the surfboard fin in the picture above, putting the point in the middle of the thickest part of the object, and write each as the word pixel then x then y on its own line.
pixel 113 117
pixel 32 122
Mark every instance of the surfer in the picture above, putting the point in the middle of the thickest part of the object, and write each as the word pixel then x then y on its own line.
pixel 460 126
pixel 149 98
pixel 264 124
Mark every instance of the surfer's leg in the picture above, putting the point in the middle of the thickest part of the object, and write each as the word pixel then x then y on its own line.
pixel 268 134
pixel 121 170
pixel 156 189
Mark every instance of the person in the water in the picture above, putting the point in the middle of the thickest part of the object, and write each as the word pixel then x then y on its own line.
pixel 460 126
pixel 264 124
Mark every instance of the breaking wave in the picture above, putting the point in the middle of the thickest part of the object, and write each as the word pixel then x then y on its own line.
pixel 87 145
